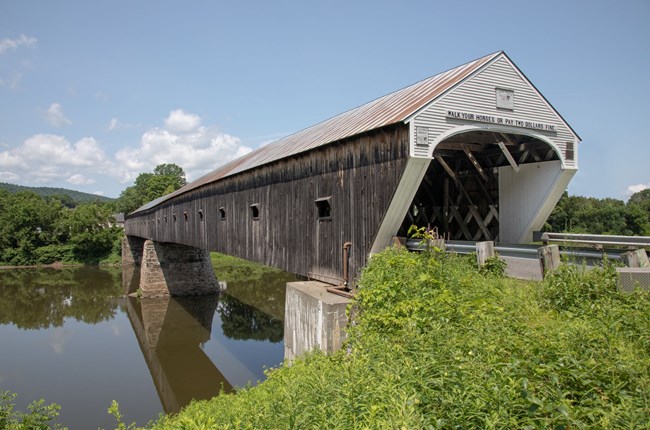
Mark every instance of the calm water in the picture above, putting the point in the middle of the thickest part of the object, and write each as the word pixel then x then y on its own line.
pixel 71 337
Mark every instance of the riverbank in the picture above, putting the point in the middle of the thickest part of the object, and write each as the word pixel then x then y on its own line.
pixel 437 344
pixel 59 265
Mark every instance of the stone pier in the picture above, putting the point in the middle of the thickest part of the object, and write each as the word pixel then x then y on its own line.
pixel 176 270
pixel 132 247
pixel 166 269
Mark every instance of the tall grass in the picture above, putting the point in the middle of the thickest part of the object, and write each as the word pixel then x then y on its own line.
pixel 437 345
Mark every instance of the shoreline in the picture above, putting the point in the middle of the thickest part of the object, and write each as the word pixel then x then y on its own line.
pixel 57 266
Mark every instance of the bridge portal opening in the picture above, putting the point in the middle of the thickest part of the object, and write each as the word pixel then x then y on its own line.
pixel 460 193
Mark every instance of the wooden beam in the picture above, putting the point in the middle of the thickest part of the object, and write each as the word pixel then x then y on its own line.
pixel 524 156
pixel 445 204
pixel 445 166
pixel 474 162
pixel 549 154
pixel 461 223
pixel 508 156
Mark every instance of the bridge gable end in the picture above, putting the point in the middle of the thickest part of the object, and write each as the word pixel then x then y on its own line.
pixel 497 97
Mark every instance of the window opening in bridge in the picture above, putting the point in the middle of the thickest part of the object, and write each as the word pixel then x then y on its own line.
pixel 324 208
pixel 255 211
pixel 186 216
pixel 165 219
pixel 222 214
pixel 201 214
pixel 158 220
pixel 174 217
pixel 570 153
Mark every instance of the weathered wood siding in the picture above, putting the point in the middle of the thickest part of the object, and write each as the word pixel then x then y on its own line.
pixel 360 175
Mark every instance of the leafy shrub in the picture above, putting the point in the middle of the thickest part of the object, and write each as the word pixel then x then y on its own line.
pixel 53 253
pixel 571 287
pixel 37 417
pixel 494 266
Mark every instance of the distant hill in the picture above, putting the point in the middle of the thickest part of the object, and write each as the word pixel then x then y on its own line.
pixel 76 196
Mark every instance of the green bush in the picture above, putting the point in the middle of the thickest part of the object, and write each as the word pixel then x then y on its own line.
pixel 437 345
pixel 38 415
pixel 572 287
pixel 53 253
pixel 494 266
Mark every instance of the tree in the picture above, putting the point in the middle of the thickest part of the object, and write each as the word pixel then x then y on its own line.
pixel 27 222
pixel 639 207
pixel 90 231
pixel 641 197
pixel 577 214
pixel 171 171
pixel 166 178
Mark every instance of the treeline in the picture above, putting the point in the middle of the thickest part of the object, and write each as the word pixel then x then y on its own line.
pixel 42 230
pixel 54 227
pixel 69 198
pixel 576 214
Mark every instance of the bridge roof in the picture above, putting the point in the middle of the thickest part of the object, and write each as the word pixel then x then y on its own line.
pixel 392 108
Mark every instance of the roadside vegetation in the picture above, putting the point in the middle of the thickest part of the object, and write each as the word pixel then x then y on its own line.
pixel 437 344
pixel 577 214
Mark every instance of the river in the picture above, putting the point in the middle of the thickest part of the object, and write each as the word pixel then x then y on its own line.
pixel 72 337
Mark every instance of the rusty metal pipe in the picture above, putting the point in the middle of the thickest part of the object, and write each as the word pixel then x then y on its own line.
pixel 346 263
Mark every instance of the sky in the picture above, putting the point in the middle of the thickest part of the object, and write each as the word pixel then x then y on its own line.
pixel 92 93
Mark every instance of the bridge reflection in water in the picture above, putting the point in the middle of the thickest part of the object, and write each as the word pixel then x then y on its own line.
pixel 173 334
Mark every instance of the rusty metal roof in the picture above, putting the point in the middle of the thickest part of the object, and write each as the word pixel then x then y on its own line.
pixel 389 109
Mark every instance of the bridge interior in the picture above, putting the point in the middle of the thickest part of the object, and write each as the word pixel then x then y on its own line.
pixel 459 194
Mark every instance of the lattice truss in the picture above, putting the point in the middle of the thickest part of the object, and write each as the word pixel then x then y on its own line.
pixel 459 194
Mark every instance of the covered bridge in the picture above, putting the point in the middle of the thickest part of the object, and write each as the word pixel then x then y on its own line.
pixel 475 151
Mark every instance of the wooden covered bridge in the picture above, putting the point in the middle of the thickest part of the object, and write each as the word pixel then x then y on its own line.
pixel 476 152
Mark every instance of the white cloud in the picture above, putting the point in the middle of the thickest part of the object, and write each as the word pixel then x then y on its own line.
pixel 55 116
pixel 46 158
pixel 13 44
pixel 197 152
pixel 179 121
pixel 636 188
pixel 113 124
pixel 8 176
pixel 52 159
pixel 79 179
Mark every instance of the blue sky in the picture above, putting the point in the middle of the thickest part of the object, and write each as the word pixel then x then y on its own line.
pixel 92 93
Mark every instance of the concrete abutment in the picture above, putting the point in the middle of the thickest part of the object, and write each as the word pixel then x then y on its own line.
pixel 314 319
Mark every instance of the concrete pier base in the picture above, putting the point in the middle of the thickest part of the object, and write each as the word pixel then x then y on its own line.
pixel 314 319
pixel 177 270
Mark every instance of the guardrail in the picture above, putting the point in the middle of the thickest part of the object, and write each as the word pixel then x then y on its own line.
pixel 523 251
pixel 598 241
pixel 534 261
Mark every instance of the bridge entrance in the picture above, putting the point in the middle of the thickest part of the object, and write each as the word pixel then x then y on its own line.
pixel 459 194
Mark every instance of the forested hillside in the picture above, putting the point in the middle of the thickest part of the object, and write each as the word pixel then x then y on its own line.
pixel 68 197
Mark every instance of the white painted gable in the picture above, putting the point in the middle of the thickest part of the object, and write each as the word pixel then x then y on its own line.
pixel 473 104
